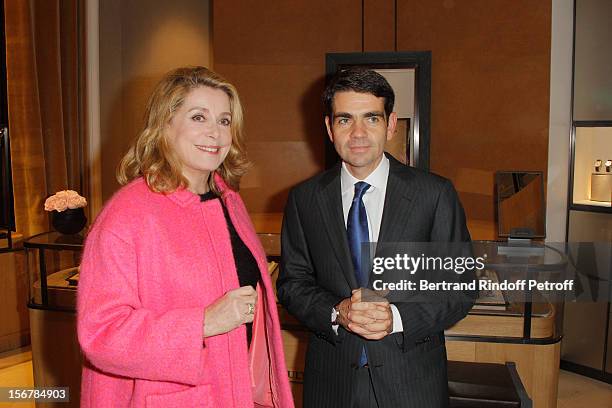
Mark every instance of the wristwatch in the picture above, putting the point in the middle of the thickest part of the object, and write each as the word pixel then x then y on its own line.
pixel 597 165
pixel 334 317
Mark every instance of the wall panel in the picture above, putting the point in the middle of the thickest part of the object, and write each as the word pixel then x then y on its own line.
pixel 490 85
pixel 276 58
pixel 379 25
pixel 490 88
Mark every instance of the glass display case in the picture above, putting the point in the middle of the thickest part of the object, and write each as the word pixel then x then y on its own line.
pixel 519 314
pixel 591 177
pixel 52 261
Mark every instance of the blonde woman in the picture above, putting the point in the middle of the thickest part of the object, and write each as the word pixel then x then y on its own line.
pixel 175 305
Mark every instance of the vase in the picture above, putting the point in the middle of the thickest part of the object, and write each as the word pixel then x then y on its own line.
pixel 70 221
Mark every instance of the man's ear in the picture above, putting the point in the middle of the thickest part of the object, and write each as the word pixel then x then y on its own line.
pixel 329 131
pixel 391 125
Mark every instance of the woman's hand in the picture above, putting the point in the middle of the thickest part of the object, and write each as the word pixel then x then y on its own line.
pixel 231 310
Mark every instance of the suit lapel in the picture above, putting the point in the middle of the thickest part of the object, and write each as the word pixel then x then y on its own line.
pixel 399 202
pixel 329 199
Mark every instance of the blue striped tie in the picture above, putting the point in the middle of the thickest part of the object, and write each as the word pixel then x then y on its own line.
pixel 357 229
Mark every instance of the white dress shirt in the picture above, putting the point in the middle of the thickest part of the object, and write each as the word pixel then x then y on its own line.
pixel 374 201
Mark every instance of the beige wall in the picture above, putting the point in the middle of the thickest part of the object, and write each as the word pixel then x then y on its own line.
pixel 140 40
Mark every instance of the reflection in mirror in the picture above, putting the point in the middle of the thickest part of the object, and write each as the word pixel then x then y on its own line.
pixel 520 204
pixel 402 80
pixel 400 145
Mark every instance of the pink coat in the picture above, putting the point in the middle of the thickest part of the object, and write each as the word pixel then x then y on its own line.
pixel 151 265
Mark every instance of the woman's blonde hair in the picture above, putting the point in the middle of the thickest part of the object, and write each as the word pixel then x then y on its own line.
pixel 151 157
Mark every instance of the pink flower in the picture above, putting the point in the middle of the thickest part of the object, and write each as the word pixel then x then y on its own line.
pixel 63 200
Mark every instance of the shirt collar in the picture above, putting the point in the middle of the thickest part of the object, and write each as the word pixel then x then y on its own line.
pixel 377 179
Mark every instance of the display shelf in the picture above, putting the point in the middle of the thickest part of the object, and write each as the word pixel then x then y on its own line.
pixel 591 144
pixel 593 203
pixel 590 208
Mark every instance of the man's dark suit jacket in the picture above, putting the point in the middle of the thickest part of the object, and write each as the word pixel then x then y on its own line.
pixel 408 369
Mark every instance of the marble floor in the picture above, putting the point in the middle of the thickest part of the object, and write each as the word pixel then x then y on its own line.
pixel 575 391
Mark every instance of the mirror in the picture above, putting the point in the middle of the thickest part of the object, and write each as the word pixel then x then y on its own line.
pixel 402 145
pixel 520 204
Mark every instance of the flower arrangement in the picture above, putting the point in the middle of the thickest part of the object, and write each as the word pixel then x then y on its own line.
pixel 63 200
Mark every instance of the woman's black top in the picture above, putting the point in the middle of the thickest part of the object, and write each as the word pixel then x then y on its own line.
pixel 246 265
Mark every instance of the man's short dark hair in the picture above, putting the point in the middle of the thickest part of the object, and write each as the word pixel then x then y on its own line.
pixel 359 80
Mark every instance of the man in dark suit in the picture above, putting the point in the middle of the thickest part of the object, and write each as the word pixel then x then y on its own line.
pixel 367 353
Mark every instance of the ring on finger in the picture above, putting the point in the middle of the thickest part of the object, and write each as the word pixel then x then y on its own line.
pixel 251 309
